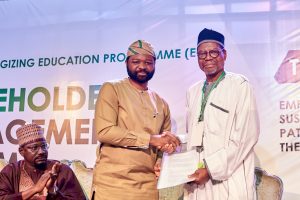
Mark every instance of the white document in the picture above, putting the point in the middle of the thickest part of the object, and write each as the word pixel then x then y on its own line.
pixel 176 168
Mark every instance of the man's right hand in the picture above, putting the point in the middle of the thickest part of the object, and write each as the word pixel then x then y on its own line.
pixel 167 140
pixel 41 184
pixel 37 188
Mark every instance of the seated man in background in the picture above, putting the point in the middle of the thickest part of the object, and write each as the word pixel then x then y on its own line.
pixel 36 177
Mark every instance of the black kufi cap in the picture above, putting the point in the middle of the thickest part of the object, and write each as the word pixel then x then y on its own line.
pixel 209 35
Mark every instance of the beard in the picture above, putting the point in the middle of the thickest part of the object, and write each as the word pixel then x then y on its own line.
pixel 134 75
pixel 212 69
pixel 41 162
pixel 40 166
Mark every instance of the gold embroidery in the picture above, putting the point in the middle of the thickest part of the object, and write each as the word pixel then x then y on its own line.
pixel 26 183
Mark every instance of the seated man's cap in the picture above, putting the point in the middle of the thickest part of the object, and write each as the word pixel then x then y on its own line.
pixel 29 133
pixel 207 35
pixel 140 47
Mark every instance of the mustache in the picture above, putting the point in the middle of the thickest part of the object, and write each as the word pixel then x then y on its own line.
pixel 45 156
pixel 142 70
pixel 210 63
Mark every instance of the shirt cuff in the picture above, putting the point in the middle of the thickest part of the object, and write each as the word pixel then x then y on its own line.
pixel 143 141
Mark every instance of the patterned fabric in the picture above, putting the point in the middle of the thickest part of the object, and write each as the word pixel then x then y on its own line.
pixel 26 182
pixel 140 47
pixel 29 133
pixel 68 187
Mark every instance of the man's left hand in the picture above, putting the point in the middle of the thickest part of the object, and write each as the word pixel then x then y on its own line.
pixel 157 168
pixel 53 176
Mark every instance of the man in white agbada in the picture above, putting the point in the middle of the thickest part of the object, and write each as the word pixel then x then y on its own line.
pixel 223 126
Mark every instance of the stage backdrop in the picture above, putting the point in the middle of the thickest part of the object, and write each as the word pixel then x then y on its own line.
pixel 55 55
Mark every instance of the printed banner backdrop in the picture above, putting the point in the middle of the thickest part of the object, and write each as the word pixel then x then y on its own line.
pixel 55 55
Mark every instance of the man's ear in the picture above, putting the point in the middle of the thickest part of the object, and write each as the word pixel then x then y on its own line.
pixel 225 54
pixel 21 151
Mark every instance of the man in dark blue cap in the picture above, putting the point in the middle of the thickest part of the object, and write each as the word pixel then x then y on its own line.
pixel 222 125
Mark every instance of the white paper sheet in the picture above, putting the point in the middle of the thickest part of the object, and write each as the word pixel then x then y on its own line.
pixel 176 168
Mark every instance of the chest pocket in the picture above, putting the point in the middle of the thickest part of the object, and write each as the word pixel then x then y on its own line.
pixel 217 117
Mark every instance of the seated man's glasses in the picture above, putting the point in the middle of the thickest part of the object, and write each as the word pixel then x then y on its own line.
pixel 35 148
pixel 212 53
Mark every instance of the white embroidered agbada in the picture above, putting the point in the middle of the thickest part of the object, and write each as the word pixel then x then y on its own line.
pixel 231 129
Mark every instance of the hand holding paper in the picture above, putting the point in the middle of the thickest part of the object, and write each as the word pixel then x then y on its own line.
pixel 200 176
pixel 176 168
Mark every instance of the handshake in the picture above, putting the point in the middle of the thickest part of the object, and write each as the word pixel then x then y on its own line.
pixel 166 142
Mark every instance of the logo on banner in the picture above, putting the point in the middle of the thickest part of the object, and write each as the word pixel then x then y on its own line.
pixel 289 70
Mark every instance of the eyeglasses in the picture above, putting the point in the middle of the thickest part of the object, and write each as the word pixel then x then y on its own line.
pixel 35 148
pixel 212 53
